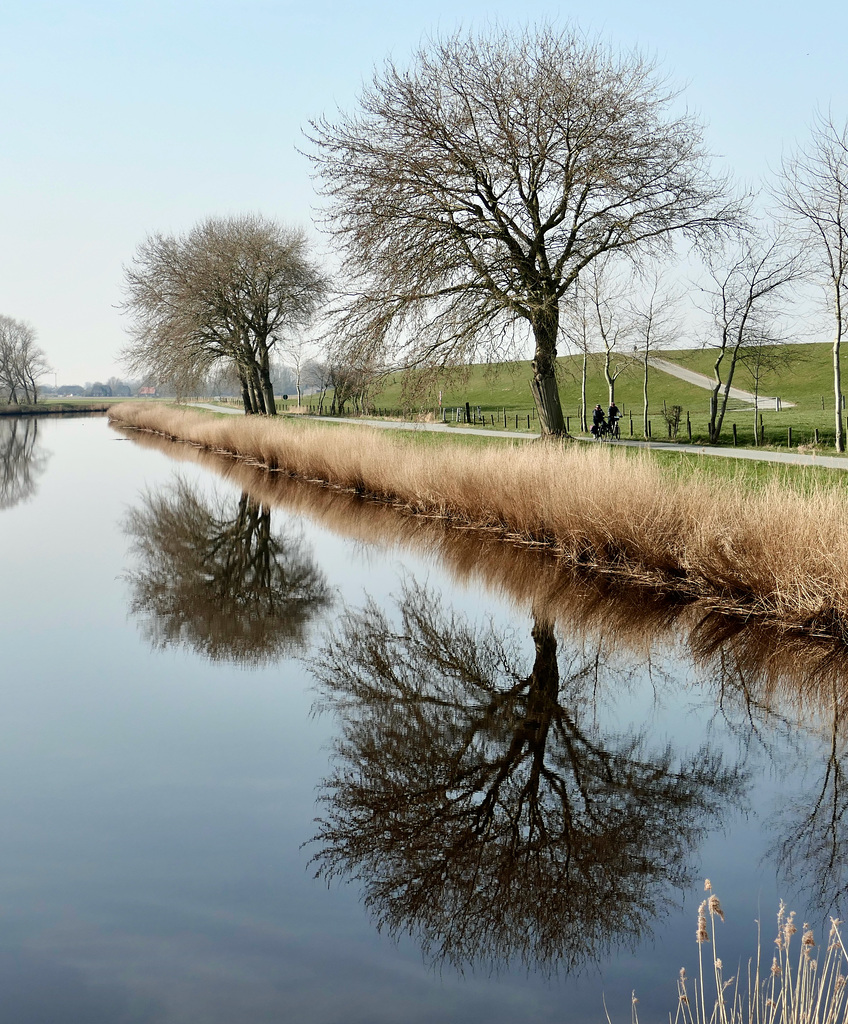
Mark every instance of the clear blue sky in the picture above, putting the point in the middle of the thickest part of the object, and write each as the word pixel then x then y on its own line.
pixel 122 118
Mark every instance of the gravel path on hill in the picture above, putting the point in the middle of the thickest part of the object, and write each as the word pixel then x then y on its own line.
pixel 701 380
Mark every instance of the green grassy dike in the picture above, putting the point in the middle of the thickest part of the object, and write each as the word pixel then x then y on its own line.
pixel 805 380
pixel 775 550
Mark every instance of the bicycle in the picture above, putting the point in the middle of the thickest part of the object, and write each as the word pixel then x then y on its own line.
pixel 609 431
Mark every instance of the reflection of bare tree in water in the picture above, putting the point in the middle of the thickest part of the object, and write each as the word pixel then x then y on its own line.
pixel 482 809
pixel 217 578
pixel 795 686
pixel 22 460
pixel 813 849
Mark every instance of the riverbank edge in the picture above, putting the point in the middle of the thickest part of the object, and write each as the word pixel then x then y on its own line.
pixel 89 409
pixel 726 575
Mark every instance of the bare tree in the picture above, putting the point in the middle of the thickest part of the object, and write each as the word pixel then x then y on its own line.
pixel 23 459
pixel 318 374
pixel 22 362
pixel 295 351
pixel 595 319
pixel 479 803
pixel 577 327
pixel 470 190
pixel 352 383
pixel 654 324
pixel 747 284
pixel 759 360
pixel 612 323
pixel 227 291
pixel 814 190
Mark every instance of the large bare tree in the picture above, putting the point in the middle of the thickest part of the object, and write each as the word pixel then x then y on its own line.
pixel 471 188
pixel 814 190
pixel 227 291
pixel 22 362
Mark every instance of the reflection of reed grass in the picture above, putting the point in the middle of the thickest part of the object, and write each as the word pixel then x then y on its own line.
pixel 778 552
pixel 755 659
pixel 804 988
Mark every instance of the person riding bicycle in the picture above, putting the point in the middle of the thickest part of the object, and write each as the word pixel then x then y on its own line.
pixel 598 421
pixel 613 416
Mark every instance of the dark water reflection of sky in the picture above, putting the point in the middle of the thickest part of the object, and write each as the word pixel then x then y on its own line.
pixel 156 795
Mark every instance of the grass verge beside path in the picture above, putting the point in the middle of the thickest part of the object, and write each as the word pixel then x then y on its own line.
pixel 779 550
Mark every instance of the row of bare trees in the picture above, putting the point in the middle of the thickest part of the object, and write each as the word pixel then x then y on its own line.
pixel 479 197
pixel 22 362
pixel 480 194
pixel 627 315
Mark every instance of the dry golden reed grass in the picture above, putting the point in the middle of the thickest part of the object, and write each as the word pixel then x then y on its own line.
pixel 779 552
pixel 807 987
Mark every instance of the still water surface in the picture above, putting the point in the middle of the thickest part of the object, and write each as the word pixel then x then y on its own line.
pixel 272 754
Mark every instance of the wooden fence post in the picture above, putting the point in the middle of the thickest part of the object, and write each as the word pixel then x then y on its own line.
pixel 734 435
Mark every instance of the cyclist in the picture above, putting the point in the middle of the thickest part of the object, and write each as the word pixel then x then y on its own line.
pixel 598 422
pixel 613 416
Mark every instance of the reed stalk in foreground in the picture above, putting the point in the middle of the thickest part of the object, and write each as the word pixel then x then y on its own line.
pixel 807 987
pixel 780 552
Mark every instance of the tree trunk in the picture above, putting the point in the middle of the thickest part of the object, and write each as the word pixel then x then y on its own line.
pixel 265 378
pixel 544 383
pixel 718 419
pixel 837 375
pixel 584 422
pixel 837 394
pixel 756 411
pixel 256 390
pixel 245 395
pixel 711 425
pixel 645 395
pixel 609 375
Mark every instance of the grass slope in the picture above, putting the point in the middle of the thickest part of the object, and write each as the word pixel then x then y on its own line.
pixel 805 380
